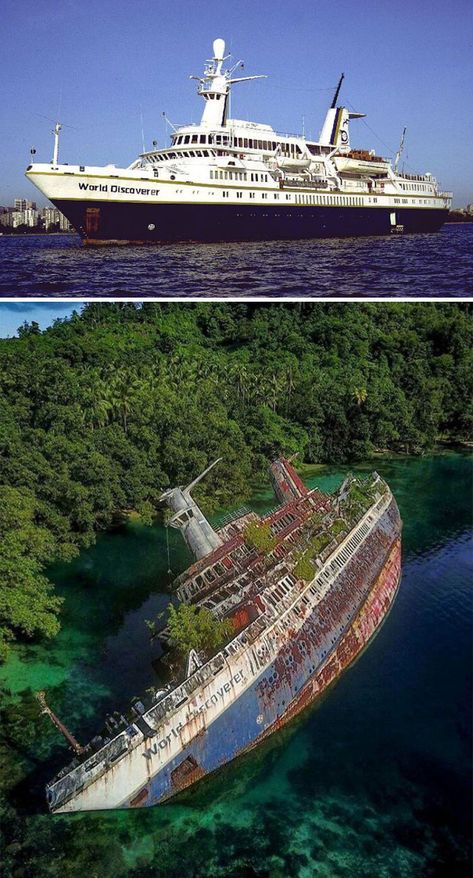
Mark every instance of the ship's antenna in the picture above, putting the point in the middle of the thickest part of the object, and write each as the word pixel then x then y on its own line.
pixel 335 99
pixel 142 130
pixel 399 152
pixel 168 121
pixel 55 131
pixel 168 551
pixel 195 482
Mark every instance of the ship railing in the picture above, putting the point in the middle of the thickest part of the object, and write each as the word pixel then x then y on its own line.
pixel 232 516
pixel 423 178
pixel 303 183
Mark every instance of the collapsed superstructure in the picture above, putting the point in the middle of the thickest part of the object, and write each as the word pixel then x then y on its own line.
pixel 229 179
pixel 303 604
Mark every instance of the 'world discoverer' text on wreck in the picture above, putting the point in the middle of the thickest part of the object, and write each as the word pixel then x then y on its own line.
pixel 301 606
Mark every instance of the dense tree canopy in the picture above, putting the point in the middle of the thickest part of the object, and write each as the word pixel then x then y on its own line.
pixel 102 411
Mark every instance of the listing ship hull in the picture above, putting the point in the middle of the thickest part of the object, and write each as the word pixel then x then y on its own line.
pixel 233 734
pixel 125 223
pixel 303 636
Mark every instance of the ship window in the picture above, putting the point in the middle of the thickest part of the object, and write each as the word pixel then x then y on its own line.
pixel 187 138
pixel 245 142
pixel 209 576
pixel 211 175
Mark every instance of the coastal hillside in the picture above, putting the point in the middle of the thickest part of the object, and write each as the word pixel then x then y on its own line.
pixel 101 412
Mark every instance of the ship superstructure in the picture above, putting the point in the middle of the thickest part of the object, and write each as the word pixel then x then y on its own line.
pixel 302 609
pixel 227 179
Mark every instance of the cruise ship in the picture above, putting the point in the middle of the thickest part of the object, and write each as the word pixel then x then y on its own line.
pixel 304 589
pixel 229 180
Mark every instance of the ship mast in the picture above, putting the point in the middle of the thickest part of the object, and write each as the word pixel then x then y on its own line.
pixel 399 152
pixel 198 533
pixel 215 86
pixel 55 131
pixel 337 92
pixel 77 748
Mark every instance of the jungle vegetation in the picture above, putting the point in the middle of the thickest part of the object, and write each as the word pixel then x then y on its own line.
pixel 104 410
pixel 196 628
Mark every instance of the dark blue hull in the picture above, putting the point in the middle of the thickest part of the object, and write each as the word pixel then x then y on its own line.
pixel 116 222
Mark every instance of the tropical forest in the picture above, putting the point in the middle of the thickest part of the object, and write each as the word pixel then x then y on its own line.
pixel 104 410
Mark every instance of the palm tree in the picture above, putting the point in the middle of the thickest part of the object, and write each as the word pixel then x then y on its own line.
pixel 360 394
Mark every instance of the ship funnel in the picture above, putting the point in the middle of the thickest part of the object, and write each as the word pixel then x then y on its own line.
pixel 335 130
pixel 198 534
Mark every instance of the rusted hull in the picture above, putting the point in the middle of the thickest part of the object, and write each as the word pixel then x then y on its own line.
pixel 212 750
pixel 364 628
pixel 258 684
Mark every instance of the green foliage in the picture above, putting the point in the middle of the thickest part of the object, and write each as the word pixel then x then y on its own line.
pixel 101 412
pixel 318 543
pixel 257 535
pixel 27 605
pixel 195 628
pixel 304 569
pixel 337 526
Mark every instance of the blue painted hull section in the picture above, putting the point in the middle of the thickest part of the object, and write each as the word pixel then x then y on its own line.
pixel 117 222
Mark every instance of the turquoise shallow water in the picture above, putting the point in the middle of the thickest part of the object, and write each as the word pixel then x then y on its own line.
pixel 374 781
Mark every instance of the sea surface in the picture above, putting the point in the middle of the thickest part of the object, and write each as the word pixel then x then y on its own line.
pixel 438 264
pixel 374 782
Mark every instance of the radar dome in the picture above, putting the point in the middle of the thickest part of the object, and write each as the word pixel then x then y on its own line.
pixel 219 49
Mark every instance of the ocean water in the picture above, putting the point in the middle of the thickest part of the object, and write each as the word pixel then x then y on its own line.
pixel 439 264
pixel 375 781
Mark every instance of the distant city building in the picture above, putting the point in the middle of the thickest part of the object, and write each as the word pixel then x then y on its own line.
pixel 24 204
pixel 52 216
pixel 30 217
pixel 25 213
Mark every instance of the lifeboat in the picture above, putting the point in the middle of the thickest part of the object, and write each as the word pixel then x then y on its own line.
pixel 360 161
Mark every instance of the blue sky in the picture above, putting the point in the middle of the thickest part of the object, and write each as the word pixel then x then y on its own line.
pixel 101 64
pixel 14 314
